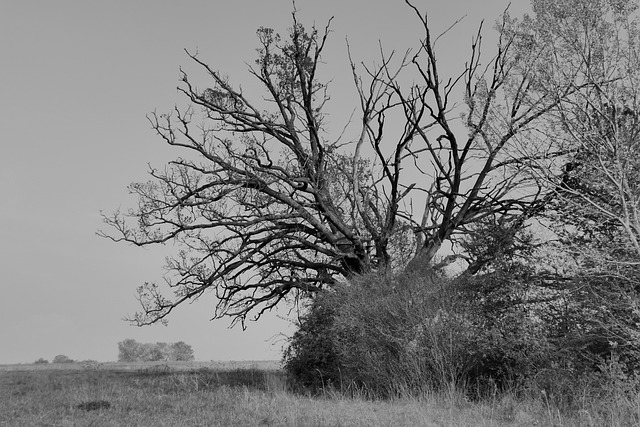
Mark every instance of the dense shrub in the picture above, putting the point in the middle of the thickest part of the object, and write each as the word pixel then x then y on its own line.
pixel 511 337
pixel 610 318
pixel 311 359
pixel 404 333
pixel 383 325
pixel 41 361
pixel 522 322
pixel 383 333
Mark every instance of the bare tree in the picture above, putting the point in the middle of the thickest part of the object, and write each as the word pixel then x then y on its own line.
pixel 266 209
pixel 463 159
pixel 268 204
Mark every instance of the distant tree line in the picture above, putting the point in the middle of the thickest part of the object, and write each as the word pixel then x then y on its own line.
pixel 130 350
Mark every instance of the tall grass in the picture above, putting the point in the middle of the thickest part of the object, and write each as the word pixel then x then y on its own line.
pixel 163 395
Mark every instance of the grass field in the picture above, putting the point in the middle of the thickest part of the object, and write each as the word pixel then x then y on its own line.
pixel 237 394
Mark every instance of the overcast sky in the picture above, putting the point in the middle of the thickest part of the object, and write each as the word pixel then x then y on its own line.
pixel 76 81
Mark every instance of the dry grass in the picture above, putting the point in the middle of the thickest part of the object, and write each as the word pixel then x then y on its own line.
pixel 237 395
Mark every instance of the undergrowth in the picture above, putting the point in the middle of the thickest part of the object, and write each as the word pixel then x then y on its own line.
pixel 212 397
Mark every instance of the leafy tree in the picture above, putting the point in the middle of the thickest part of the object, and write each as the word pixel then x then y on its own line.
pixel 128 350
pixel 41 361
pixel 268 204
pixel 158 351
pixel 597 127
pixel 181 351
pixel 593 205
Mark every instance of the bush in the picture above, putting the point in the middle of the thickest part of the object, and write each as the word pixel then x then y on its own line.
pixel 41 361
pixel 311 360
pixel 601 321
pixel 410 334
pixel 393 341
pixel 514 325
pixel 405 333
pixel 511 337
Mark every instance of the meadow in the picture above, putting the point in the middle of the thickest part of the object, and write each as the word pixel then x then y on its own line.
pixel 248 394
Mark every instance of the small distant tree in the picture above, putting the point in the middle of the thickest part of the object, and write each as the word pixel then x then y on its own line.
pixel 61 358
pixel 128 350
pixel 41 361
pixel 158 351
pixel 181 351
pixel 132 351
pixel 144 353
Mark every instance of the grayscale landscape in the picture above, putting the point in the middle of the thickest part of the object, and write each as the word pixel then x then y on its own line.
pixel 338 213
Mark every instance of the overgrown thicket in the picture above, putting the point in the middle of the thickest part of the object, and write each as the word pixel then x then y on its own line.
pixel 538 319
pixel 395 333
pixel 517 327
pixel 513 327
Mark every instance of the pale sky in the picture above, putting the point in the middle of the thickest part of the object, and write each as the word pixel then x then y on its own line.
pixel 76 81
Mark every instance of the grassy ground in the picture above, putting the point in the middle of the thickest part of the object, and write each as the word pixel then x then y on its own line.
pixel 231 395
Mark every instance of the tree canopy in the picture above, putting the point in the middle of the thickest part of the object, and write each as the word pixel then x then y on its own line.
pixel 269 204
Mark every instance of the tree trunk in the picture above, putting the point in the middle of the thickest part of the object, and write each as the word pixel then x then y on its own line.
pixel 424 258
